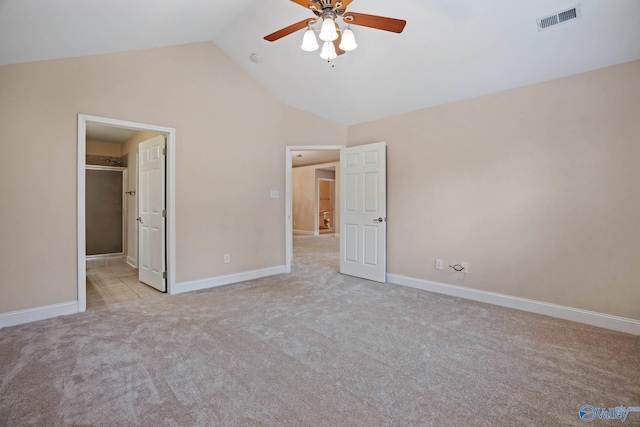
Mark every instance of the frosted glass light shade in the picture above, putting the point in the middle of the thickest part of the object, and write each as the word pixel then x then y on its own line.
pixel 328 52
pixel 309 41
pixel 348 42
pixel 328 32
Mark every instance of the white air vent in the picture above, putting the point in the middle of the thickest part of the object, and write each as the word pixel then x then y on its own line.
pixel 561 17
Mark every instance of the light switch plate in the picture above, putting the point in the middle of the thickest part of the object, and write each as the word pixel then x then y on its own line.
pixel 275 194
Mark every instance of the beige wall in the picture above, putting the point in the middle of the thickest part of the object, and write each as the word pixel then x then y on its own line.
pixel 303 198
pixel 107 149
pixel 325 196
pixel 303 191
pixel 537 188
pixel 231 135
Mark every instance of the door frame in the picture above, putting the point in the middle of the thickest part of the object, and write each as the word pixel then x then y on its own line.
pixel 333 199
pixel 288 227
pixel 170 183
pixel 125 174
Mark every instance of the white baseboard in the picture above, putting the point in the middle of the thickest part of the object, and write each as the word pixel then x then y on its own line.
pixel 39 313
pixel 621 324
pixel 304 232
pixel 214 282
pixel 104 256
pixel 132 262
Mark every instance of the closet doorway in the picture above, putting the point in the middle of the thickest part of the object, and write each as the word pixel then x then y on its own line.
pixel 126 226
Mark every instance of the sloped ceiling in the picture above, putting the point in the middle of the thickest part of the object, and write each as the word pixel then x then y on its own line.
pixel 450 49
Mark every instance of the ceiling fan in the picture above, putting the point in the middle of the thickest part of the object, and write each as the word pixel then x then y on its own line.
pixel 336 41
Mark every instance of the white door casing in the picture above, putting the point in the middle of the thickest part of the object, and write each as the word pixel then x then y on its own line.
pixel 363 216
pixel 151 203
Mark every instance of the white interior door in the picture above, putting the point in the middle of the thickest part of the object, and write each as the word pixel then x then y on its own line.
pixel 363 216
pixel 151 205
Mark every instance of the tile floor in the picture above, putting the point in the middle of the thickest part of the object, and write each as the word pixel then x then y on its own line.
pixel 118 282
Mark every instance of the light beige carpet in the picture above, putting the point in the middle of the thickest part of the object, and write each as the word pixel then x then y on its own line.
pixel 313 348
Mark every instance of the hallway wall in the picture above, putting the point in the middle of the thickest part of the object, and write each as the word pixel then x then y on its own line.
pixel 304 188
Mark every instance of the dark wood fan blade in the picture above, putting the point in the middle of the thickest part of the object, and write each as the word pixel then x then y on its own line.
pixel 345 4
pixel 288 30
pixel 377 22
pixel 303 3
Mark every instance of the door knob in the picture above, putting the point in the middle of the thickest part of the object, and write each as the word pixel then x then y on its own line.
pixel 379 220
pixel 139 219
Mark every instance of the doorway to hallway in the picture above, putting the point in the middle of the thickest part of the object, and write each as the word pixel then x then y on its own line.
pixel 305 166
pixel 361 212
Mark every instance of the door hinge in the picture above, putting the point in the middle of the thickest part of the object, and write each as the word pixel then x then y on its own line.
pixel 164 151
pixel 164 213
pixel 164 274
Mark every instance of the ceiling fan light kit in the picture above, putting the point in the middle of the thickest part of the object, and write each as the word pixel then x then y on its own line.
pixel 337 41
pixel 348 42
pixel 309 41
pixel 328 52
pixel 328 32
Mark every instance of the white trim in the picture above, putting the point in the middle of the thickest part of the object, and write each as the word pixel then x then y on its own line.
pixel 80 214
pixel 288 227
pixel 131 216
pixel 104 168
pixel 83 119
pixel 607 321
pixel 307 232
pixel 214 282
pixel 105 256
pixel 19 317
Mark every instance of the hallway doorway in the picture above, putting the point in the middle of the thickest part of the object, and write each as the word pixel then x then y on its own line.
pixel 306 216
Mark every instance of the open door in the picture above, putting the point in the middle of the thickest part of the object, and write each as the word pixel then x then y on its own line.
pixel 363 216
pixel 151 211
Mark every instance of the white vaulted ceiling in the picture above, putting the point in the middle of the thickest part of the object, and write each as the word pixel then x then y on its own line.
pixel 450 49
